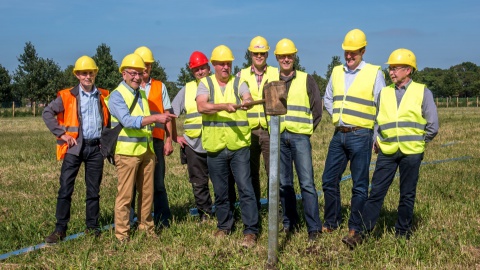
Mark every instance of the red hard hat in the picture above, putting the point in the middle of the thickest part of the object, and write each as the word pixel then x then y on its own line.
pixel 197 59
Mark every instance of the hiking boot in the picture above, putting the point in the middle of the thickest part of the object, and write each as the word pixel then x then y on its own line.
pixel 353 241
pixel 55 237
pixel 96 232
pixel 312 236
pixel 327 230
pixel 249 240
pixel 221 233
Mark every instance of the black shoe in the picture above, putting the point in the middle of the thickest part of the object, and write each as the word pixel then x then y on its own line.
pixel 96 232
pixel 55 237
pixel 353 241
pixel 312 236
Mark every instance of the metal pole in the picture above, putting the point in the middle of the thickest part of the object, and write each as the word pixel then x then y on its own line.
pixel 274 190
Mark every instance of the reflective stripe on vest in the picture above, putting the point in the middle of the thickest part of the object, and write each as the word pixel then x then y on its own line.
pixel 155 102
pixel 357 107
pixel 68 119
pixel 132 141
pixel 224 129
pixel 403 127
pixel 256 115
pixel 193 119
pixel 299 118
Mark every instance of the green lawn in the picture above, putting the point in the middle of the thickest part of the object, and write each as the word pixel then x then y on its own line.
pixel 447 222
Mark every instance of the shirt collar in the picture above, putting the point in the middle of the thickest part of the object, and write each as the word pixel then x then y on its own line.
pixel 405 86
pixel 252 69
pixel 87 94
pixel 360 66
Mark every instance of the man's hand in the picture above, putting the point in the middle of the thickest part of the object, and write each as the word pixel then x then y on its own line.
pixel 164 118
pixel 168 148
pixel 181 140
pixel 69 140
pixel 376 147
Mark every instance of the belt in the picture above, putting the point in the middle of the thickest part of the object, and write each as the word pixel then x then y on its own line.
pixel 347 129
pixel 92 142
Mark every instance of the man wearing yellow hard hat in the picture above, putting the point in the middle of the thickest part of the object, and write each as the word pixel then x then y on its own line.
pixel 407 119
pixel 226 137
pixel 304 112
pixel 256 76
pixel 350 98
pixel 159 102
pixel 134 152
pixel 78 134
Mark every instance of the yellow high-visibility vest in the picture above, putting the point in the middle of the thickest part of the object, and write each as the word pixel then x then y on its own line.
pixel 132 141
pixel 224 129
pixel 256 115
pixel 403 127
pixel 357 107
pixel 299 118
pixel 193 119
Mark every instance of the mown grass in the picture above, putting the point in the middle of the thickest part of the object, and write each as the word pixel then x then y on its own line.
pixel 447 221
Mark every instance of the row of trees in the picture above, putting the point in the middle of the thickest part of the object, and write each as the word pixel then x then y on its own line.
pixel 37 79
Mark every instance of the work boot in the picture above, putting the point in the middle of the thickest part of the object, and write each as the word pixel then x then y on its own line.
pixel 249 240
pixel 55 237
pixel 353 240
pixel 312 236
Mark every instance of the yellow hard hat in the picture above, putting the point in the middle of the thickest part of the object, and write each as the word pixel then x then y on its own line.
pixel 132 61
pixel 85 63
pixel 354 40
pixel 402 57
pixel 145 53
pixel 222 53
pixel 259 44
pixel 285 46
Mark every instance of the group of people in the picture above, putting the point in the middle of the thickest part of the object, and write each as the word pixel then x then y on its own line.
pixel 224 137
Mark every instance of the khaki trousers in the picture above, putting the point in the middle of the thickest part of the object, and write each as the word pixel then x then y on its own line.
pixel 134 170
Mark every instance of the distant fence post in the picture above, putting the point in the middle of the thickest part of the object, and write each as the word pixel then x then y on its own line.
pixel 34 107
pixel 447 102
pixel 477 101
pixel 467 102
pixel 457 101
pixel 13 108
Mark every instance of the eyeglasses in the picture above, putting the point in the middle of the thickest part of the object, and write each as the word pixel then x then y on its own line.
pixel 396 69
pixel 134 74
pixel 86 73
pixel 258 53
pixel 283 56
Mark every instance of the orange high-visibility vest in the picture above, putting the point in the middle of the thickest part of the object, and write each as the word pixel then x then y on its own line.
pixel 68 119
pixel 155 101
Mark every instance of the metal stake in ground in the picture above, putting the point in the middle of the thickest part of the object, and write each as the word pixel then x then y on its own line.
pixel 275 105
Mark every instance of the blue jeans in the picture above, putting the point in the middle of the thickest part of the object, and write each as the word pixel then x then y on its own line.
pixel 296 149
pixel 383 176
pixel 93 161
pixel 356 147
pixel 219 166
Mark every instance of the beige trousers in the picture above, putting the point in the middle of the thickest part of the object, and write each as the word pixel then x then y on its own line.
pixel 133 170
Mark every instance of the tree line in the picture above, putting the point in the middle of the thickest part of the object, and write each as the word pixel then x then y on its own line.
pixel 37 79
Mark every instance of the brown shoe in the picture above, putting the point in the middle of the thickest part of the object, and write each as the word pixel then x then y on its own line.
pixel 221 233
pixel 249 240
pixel 327 230
pixel 353 241
pixel 55 237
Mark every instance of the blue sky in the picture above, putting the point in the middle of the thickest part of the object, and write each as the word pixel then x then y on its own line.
pixel 440 33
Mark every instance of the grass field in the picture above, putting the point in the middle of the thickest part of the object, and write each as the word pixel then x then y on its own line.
pixel 447 220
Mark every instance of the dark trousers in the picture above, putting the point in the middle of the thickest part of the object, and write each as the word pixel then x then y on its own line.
pixel 409 166
pixel 93 161
pixel 220 165
pixel 161 208
pixel 260 145
pixel 198 176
